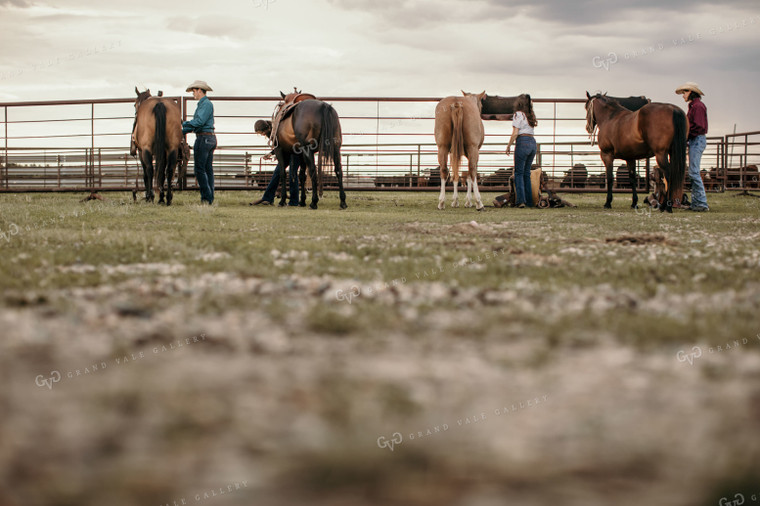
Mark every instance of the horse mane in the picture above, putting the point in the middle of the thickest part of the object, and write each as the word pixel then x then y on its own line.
pixel 610 101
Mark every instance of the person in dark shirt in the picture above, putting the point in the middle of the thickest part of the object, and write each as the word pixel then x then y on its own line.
pixel 697 117
pixel 205 140
pixel 295 162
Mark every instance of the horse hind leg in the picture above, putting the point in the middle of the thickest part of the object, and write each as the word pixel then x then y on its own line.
pixel 146 159
pixel 472 180
pixel 302 180
pixel 634 183
pixel 443 155
pixel 610 181
pixel 160 181
pixel 314 180
pixel 468 198
pixel 339 175
pixel 455 198
pixel 172 163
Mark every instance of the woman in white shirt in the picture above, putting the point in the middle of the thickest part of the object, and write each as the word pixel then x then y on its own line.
pixel 523 122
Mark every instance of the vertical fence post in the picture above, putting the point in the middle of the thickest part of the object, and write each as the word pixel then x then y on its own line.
pixel 246 167
pixel 745 162
pixel 92 144
pixel 5 161
pixel 183 104
pixel 419 155
pixel 554 136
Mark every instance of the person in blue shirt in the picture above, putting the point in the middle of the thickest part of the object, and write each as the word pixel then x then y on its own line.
pixel 205 140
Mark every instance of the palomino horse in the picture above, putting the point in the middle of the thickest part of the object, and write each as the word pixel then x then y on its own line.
pixel 158 133
pixel 656 129
pixel 310 126
pixel 459 131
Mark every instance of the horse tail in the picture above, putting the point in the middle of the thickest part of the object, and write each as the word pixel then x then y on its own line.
pixel 677 165
pixel 328 139
pixel 457 139
pixel 159 137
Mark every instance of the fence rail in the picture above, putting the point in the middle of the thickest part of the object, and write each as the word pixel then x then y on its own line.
pixel 77 145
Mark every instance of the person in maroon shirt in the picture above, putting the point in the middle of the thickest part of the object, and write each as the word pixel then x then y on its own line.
pixel 697 117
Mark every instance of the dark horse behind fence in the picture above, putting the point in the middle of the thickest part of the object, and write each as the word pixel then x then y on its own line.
pixel 310 126
pixel 157 133
pixel 656 129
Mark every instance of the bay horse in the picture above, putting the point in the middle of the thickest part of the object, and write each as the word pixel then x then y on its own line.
pixel 656 129
pixel 459 131
pixel 310 126
pixel 157 133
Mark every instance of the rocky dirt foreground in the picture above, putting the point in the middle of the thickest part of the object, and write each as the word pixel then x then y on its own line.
pixel 223 390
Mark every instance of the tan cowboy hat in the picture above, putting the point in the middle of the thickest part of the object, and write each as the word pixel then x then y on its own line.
pixel 690 86
pixel 201 85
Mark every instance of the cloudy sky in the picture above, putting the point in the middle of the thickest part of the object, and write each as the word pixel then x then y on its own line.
pixel 549 48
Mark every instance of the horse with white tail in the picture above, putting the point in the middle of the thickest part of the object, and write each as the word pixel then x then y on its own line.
pixel 459 131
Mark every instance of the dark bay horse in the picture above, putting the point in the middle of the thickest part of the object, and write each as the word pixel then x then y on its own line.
pixel 157 133
pixel 311 126
pixel 656 129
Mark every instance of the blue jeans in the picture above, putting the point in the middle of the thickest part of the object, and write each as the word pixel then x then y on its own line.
pixel 203 154
pixel 525 152
pixel 269 193
pixel 696 148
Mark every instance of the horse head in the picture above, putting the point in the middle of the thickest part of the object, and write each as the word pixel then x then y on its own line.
pixel 479 97
pixel 590 117
pixel 141 97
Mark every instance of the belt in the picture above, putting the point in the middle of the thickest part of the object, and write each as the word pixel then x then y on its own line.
pixel 204 133
pixel 525 135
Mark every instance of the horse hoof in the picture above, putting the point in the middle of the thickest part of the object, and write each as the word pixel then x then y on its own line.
pixel 313 206
pixel 468 204
pixel 607 206
pixel 441 205
pixel 481 208
pixel 634 206
pixel 343 205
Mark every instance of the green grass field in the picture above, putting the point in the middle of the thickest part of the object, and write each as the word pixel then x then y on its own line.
pixel 627 341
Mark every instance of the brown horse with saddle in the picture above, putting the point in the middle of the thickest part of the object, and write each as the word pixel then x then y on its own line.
pixel 157 134
pixel 303 125
pixel 656 129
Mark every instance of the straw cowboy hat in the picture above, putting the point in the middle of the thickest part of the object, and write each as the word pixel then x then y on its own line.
pixel 690 86
pixel 201 85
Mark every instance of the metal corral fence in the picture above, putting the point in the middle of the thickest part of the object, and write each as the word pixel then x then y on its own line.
pixel 388 143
